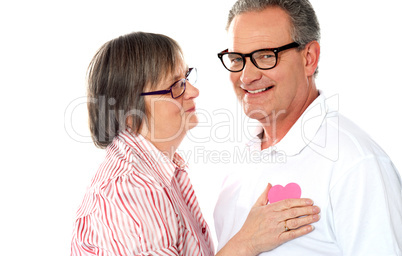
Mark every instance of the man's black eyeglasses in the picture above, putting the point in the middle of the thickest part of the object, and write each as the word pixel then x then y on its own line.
pixel 263 59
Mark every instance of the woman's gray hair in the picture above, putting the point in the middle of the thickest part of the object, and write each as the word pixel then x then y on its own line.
pixel 119 73
pixel 305 26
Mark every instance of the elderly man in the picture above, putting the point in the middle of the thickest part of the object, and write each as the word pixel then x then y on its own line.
pixel 273 58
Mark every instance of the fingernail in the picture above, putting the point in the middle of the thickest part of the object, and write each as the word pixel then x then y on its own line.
pixel 309 202
pixel 316 209
pixel 316 217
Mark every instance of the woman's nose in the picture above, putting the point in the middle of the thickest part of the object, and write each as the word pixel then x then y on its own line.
pixel 191 91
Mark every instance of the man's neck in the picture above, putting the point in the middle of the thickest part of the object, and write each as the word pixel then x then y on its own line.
pixel 275 127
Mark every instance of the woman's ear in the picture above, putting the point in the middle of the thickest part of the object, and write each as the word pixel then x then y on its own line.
pixel 129 122
pixel 311 56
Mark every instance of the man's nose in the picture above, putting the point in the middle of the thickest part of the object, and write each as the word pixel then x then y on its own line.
pixel 250 72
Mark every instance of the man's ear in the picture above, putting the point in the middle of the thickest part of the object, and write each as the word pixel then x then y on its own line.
pixel 311 56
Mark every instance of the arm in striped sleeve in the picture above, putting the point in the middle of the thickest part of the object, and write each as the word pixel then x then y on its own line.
pixel 132 216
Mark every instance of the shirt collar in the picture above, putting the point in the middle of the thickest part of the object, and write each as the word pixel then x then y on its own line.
pixel 153 157
pixel 301 133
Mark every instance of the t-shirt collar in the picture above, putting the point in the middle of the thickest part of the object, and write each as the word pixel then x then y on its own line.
pixel 301 133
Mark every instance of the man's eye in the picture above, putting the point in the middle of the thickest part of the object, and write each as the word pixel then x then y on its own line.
pixel 236 60
pixel 267 56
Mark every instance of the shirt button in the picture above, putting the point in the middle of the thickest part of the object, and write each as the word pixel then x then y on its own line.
pixel 204 230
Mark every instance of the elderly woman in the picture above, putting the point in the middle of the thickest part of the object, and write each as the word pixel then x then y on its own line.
pixel 141 202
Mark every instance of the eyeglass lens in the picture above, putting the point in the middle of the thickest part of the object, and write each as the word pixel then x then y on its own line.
pixel 180 86
pixel 262 59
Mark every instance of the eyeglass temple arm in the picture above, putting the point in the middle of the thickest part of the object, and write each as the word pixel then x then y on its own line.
pixel 289 46
pixel 156 92
pixel 221 53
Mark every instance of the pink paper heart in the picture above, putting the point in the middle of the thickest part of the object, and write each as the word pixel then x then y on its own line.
pixel 278 193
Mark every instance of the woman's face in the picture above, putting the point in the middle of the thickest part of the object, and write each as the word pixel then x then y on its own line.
pixel 168 118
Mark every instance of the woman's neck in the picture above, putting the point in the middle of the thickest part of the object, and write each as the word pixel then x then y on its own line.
pixel 167 148
pixel 167 145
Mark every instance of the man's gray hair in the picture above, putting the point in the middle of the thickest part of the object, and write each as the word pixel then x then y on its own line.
pixel 305 27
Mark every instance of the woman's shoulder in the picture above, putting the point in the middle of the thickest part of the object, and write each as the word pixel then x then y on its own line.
pixel 124 170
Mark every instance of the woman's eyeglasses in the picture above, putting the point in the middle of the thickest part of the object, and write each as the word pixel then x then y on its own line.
pixel 179 87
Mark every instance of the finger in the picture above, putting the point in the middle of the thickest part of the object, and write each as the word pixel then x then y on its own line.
pixel 300 211
pixel 292 203
pixel 292 234
pixel 303 221
pixel 263 199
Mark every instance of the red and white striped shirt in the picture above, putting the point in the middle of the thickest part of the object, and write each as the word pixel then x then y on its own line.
pixel 140 203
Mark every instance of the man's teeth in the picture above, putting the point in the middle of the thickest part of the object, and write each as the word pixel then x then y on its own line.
pixel 257 91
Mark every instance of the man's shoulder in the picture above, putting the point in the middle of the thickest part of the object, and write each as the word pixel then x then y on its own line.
pixel 342 141
pixel 354 138
pixel 337 132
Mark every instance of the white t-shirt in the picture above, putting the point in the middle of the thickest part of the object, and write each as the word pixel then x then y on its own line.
pixel 337 165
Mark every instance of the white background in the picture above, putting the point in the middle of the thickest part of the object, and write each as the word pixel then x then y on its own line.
pixel 46 46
